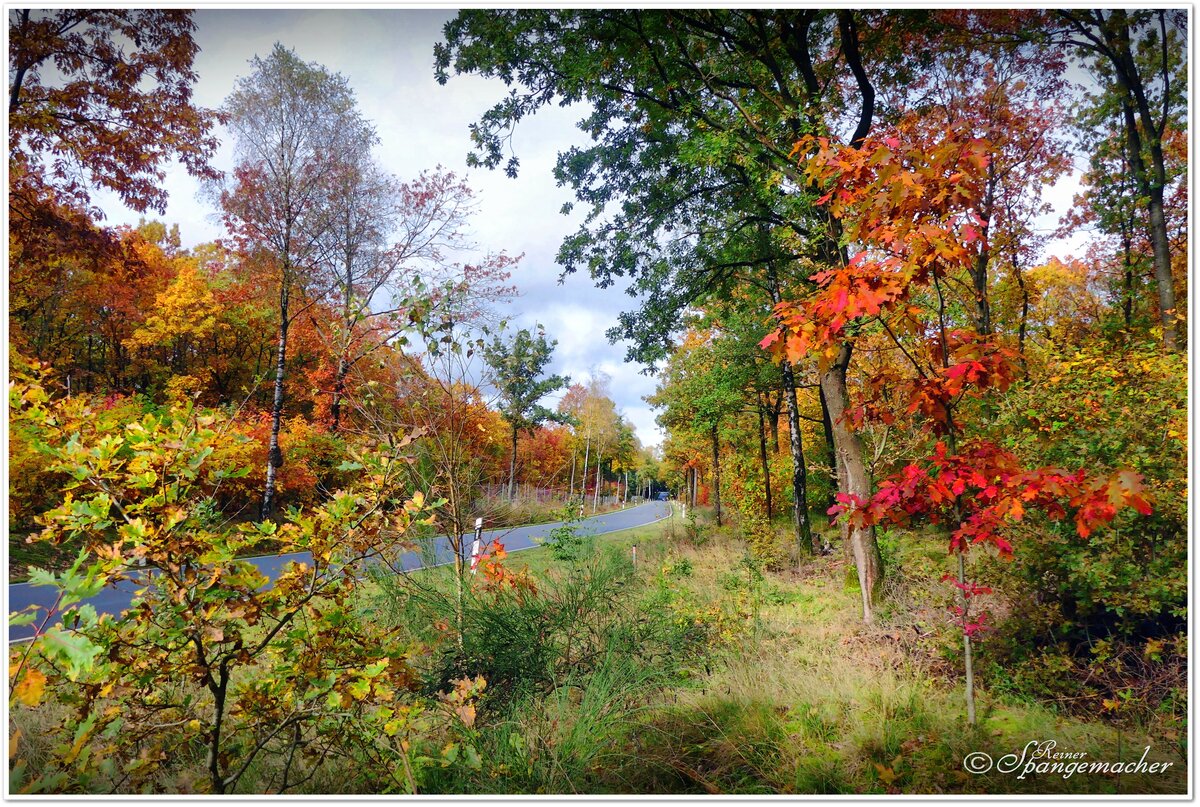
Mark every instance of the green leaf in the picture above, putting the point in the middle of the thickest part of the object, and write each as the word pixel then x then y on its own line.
pixel 18 618
pixel 41 577
pixel 76 650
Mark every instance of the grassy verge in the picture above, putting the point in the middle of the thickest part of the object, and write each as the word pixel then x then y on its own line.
pixel 697 670
pixel 773 685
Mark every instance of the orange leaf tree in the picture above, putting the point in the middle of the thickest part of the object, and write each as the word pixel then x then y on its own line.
pixel 907 201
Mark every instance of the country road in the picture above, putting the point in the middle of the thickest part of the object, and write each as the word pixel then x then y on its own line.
pixel 117 598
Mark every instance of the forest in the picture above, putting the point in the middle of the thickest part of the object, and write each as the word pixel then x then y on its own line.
pixel 917 523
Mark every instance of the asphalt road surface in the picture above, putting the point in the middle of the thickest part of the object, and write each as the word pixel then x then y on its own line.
pixel 116 598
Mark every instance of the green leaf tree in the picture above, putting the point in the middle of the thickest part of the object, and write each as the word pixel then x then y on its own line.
pixel 517 369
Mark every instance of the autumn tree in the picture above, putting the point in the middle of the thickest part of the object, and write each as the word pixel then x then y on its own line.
pixel 102 98
pixel 1010 96
pixel 271 671
pixel 379 231
pixel 697 393
pixel 696 88
pixel 593 414
pixel 1139 59
pixel 287 118
pixel 517 369
pixel 910 201
pixel 97 99
pixel 570 408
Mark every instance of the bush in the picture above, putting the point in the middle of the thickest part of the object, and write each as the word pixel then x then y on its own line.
pixel 1100 408
pixel 522 639
pixel 565 542
pixel 763 542
pixel 211 662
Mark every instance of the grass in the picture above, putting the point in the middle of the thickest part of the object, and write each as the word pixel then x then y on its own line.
pixel 699 671
pixel 793 694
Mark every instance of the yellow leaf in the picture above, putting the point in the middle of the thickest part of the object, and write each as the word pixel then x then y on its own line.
pixel 886 775
pixel 13 741
pixel 29 689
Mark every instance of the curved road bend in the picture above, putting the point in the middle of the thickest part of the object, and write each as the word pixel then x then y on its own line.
pixel 117 597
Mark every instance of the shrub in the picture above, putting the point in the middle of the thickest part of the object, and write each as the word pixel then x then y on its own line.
pixel 211 663
pixel 1101 407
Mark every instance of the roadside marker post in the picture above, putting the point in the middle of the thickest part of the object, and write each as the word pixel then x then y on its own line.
pixel 475 545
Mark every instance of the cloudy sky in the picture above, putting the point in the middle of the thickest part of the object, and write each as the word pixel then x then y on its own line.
pixel 387 56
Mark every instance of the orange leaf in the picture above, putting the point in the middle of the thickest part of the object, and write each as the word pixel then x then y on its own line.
pixel 29 689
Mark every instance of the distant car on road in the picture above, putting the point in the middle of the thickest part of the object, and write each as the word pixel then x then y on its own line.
pixel 663 496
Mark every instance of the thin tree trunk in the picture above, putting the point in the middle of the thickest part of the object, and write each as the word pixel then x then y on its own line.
pixel 854 481
pixel 274 454
pixel 835 470
pixel 716 452
pixel 219 689
pixel 800 521
pixel 1023 326
pixel 583 487
pixel 596 495
pixel 762 456
pixel 804 536
pixel 776 410
pixel 1128 293
pixel 339 391
pixel 967 650
pixel 512 468
pixel 979 270
pixel 1162 271
pixel 571 485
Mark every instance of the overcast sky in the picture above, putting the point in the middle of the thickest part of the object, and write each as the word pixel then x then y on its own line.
pixel 387 56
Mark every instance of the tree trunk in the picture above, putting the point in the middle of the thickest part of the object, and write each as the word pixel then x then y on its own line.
pixel 587 448
pixel 762 456
pixel 804 537
pixel 596 495
pixel 776 409
pixel 716 451
pixel 835 470
pixel 274 455
pixel 339 391
pixel 1134 106
pixel 1162 270
pixel 854 480
pixel 1127 305
pixel 512 468
pixel 800 521
pixel 968 655
pixel 979 269
pixel 1023 326
pixel 571 485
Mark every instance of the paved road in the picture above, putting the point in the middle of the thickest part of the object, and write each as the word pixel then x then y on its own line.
pixel 116 598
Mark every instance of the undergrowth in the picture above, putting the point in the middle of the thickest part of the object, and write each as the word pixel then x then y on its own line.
pixel 705 671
